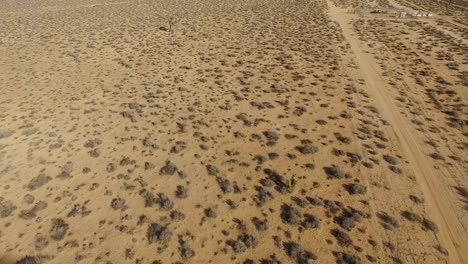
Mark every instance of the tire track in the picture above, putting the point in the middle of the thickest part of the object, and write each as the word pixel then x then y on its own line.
pixel 452 235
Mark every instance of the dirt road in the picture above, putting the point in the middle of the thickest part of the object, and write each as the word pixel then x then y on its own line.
pixel 452 235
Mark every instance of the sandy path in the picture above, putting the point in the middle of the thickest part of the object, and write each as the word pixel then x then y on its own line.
pixel 452 235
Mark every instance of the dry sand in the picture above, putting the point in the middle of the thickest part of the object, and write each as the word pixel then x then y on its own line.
pixel 247 131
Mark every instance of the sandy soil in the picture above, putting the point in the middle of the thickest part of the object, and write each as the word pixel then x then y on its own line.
pixel 452 231
pixel 279 131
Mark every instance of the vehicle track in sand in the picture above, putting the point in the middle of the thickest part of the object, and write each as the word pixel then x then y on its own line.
pixel 451 233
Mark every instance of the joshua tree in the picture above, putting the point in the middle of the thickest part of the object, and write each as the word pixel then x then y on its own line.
pixel 172 22
pixel 291 183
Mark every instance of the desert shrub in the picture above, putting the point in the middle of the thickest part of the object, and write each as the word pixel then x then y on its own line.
pixel 117 203
pixel 177 215
pixel 436 156
pixel 181 192
pixel 32 260
pixel 94 153
pixel 272 260
pixel 263 195
pixel 41 241
pixel 41 205
pixel 442 80
pixel 78 209
pixel 311 221
pixel 321 122
pixel 356 188
pixel 238 134
pixel 157 233
pixel 441 249
pixel 212 170
pixel 182 174
pixel 169 169
pixel 416 199
pixel 307 149
pixel 232 204
pixel 380 146
pixel 345 258
pixel 148 142
pixel 302 202
pixel 225 185
pixel 351 88
pixel 260 159
pixel 271 137
pixel 6 208
pixel 390 159
pixel 463 191
pixel 210 212
pixel 267 182
pixel 290 214
pixel 389 245
pixel 354 157
pixel 412 216
pixel 300 110
pixel 389 222
pixel 29 199
pixel 149 165
pixel 333 206
pixel 380 135
pixel 426 72
pixel 343 139
pixel 241 224
pixel 419 81
pixel 368 164
pixel 346 115
pixel 367 131
pixel 290 136
pixel 125 161
pixel 249 240
pixel 337 152
pixel 349 218
pixel 464 78
pixel 315 201
pixel 38 181
pixel 373 243
pixel 273 155
pixel 164 202
pixel 342 237
pixel 59 229
pixel 298 253
pixel 396 169
pixel 335 172
pixel 260 225
pixel 429 225
pixel 237 246
pixel 185 251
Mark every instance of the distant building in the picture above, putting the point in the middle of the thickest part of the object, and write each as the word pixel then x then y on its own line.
pixel 400 12
pixel 422 14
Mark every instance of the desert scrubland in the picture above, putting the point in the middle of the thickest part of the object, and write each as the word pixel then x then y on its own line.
pixel 247 131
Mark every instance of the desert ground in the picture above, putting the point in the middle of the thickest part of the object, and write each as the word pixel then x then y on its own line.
pixel 222 131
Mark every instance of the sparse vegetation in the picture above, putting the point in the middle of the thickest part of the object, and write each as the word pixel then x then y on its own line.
pixel 231 132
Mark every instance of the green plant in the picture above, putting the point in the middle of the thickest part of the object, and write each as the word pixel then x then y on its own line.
pixel 291 183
